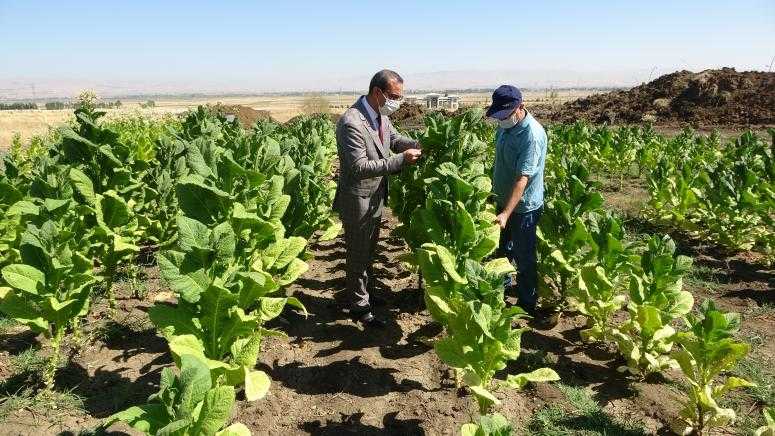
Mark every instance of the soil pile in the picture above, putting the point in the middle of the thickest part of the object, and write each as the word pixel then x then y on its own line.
pixel 711 97
pixel 408 116
pixel 247 116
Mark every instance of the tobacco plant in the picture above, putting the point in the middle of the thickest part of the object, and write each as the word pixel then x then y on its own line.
pixel 706 351
pixel 187 404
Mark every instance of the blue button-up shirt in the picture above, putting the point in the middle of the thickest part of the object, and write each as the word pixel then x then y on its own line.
pixel 520 150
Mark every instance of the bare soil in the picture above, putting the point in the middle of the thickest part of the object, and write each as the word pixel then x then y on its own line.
pixel 332 377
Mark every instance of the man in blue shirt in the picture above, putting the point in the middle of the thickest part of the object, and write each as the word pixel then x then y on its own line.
pixel 518 185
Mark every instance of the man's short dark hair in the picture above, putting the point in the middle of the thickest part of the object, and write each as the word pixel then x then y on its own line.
pixel 382 78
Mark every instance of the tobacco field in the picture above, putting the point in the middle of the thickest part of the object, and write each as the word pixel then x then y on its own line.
pixel 181 276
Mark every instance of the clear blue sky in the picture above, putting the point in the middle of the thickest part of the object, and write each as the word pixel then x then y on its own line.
pixel 300 44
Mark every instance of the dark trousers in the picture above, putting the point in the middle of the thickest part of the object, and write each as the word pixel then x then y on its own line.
pixel 518 244
pixel 361 243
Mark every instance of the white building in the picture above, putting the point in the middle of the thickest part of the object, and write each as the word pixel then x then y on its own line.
pixel 439 101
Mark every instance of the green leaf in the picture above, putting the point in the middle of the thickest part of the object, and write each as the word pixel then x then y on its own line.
pixel 256 385
pixel 271 307
pixel 519 381
pixel 83 185
pixel 295 302
pixel 201 202
pixel 174 428
pixel 236 429
pixel 331 232
pixel 291 250
pixel 447 261
pixel 216 410
pixel 499 267
pixel 22 207
pixel 182 345
pixel 188 284
pixel 469 430
pixel 192 234
pixel 173 321
pixel 148 418
pixel 23 310
pixel 481 392
pixel 195 382
pixel 450 352
pixel 113 210
pixel 295 269
pixel 224 242
pixel 24 278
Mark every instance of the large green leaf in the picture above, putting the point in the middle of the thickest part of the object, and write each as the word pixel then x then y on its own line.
pixel 83 185
pixel 183 277
pixel 24 278
pixel 192 234
pixel 202 202
pixel 22 309
pixel 174 321
pixel 518 381
pixel 195 382
pixel 216 409
pixel 113 210
pixel 148 418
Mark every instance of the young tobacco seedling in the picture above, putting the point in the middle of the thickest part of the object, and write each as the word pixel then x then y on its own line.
pixel 480 339
pixel 188 404
pixel 708 349
pixel 656 300
pixel 488 425
pixel 222 303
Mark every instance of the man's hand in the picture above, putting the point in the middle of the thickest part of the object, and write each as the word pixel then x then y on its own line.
pixel 502 219
pixel 411 155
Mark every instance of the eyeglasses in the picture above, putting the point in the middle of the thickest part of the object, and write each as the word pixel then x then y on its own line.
pixel 392 96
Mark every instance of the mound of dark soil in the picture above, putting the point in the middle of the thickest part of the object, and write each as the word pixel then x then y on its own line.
pixel 408 116
pixel 247 116
pixel 711 97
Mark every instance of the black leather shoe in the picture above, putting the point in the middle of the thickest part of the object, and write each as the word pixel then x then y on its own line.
pixel 369 320
pixel 377 300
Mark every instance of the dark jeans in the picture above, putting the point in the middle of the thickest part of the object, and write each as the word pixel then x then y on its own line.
pixel 518 245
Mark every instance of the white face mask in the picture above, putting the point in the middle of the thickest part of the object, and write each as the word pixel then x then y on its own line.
pixel 390 106
pixel 508 122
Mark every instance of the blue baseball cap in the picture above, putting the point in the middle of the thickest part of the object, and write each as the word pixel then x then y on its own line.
pixel 504 100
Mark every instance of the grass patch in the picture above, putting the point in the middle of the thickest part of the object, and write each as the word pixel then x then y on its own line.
pixel 22 389
pixel 46 403
pixel 761 373
pixel 703 277
pixel 29 360
pixel 588 418
pixel 6 323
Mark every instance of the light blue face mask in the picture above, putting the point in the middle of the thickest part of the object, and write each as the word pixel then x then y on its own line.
pixel 508 122
pixel 390 106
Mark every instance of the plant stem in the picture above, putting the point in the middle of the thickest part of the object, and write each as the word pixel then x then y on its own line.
pixel 53 361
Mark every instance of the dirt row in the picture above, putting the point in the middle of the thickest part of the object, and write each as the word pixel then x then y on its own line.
pixel 332 377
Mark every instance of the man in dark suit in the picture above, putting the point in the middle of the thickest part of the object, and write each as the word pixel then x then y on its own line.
pixel 369 150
